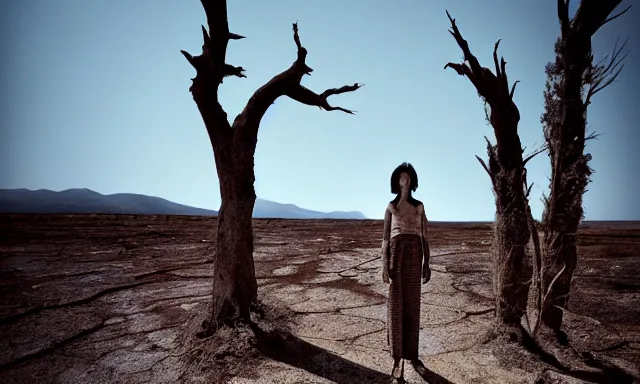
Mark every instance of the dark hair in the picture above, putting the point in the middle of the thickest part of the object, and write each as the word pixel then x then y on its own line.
pixel 395 177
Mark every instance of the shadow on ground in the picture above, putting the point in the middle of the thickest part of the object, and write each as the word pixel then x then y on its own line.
pixel 291 350
pixel 429 376
pixel 606 374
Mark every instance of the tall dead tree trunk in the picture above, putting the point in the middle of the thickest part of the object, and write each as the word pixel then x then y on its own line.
pixel 572 80
pixel 512 267
pixel 234 283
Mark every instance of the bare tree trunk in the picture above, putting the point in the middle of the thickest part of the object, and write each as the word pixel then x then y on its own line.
pixel 512 266
pixel 234 283
pixel 572 76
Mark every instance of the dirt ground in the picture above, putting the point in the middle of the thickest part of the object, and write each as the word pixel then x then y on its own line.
pixel 119 298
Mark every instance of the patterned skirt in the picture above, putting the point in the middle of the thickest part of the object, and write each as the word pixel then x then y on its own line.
pixel 403 312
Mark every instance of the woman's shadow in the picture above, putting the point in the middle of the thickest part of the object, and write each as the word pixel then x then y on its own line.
pixel 428 375
pixel 284 347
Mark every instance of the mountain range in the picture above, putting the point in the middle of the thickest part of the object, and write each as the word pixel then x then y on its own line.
pixel 82 200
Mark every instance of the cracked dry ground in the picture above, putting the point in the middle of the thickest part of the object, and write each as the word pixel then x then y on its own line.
pixel 110 298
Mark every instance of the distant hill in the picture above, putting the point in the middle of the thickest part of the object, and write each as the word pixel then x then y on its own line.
pixel 88 201
pixel 270 209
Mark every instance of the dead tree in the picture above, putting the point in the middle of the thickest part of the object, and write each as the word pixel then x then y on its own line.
pixel 512 267
pixel 572 80
pixel 234 282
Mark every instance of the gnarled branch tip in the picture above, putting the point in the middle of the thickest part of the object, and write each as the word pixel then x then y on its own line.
pixel 484 165
pixel 452 20
pixel 189 58
pixel 234 36
pixel 615 17
pixel 513 88
pixel 230 70
pixel 205 35
pixel 459 68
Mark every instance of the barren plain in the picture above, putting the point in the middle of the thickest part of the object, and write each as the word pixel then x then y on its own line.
pixel 120 298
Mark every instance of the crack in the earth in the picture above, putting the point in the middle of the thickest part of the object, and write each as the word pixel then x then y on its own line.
pixel 59 276
pixel 461 349
pixel 345 276
pixel 12 319
pixel 352 267
pixel 171 269
pixel 336 310
pixel 443 306
pixel 616 346
pixel 158 362
pixel 465 272
pixel 63 343
pixel 456 253
pixel 466 315
pixel 353 339
pixel 153 305
pixel 321 338
pixel 373 348
pixel 362 317
pixel 51 348
pixel 472 293
pixel 481 366
pixel 190 277
pixel 130 334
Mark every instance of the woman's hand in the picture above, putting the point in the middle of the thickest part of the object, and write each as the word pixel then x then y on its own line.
pixel 385 275
pixel 426 275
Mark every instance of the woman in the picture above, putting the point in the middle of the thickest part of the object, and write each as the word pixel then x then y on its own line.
pixel 405 259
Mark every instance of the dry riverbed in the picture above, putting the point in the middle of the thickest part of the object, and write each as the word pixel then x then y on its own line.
pixel 119 298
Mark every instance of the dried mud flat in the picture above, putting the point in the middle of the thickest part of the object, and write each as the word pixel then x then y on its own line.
pixel 119 298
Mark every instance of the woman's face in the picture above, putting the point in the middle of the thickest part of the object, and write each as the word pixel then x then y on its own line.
pixel 405 181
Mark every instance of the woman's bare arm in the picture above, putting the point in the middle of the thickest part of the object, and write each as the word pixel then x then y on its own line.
pixel 386 235
pixel 425 243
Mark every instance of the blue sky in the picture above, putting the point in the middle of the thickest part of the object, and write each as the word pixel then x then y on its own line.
pixel 95 95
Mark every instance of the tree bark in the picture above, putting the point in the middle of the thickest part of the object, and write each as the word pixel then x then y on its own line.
pixel 572 76
pixel 235 287
pixel 511 265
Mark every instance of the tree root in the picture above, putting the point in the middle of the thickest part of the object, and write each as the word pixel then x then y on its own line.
pixel 603 373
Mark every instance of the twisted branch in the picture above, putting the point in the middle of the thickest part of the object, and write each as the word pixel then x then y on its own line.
pixel 288 84
pixel 535 153
pixel 481 77
pixel 211 68
pixel 605 72
pixel 494 90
